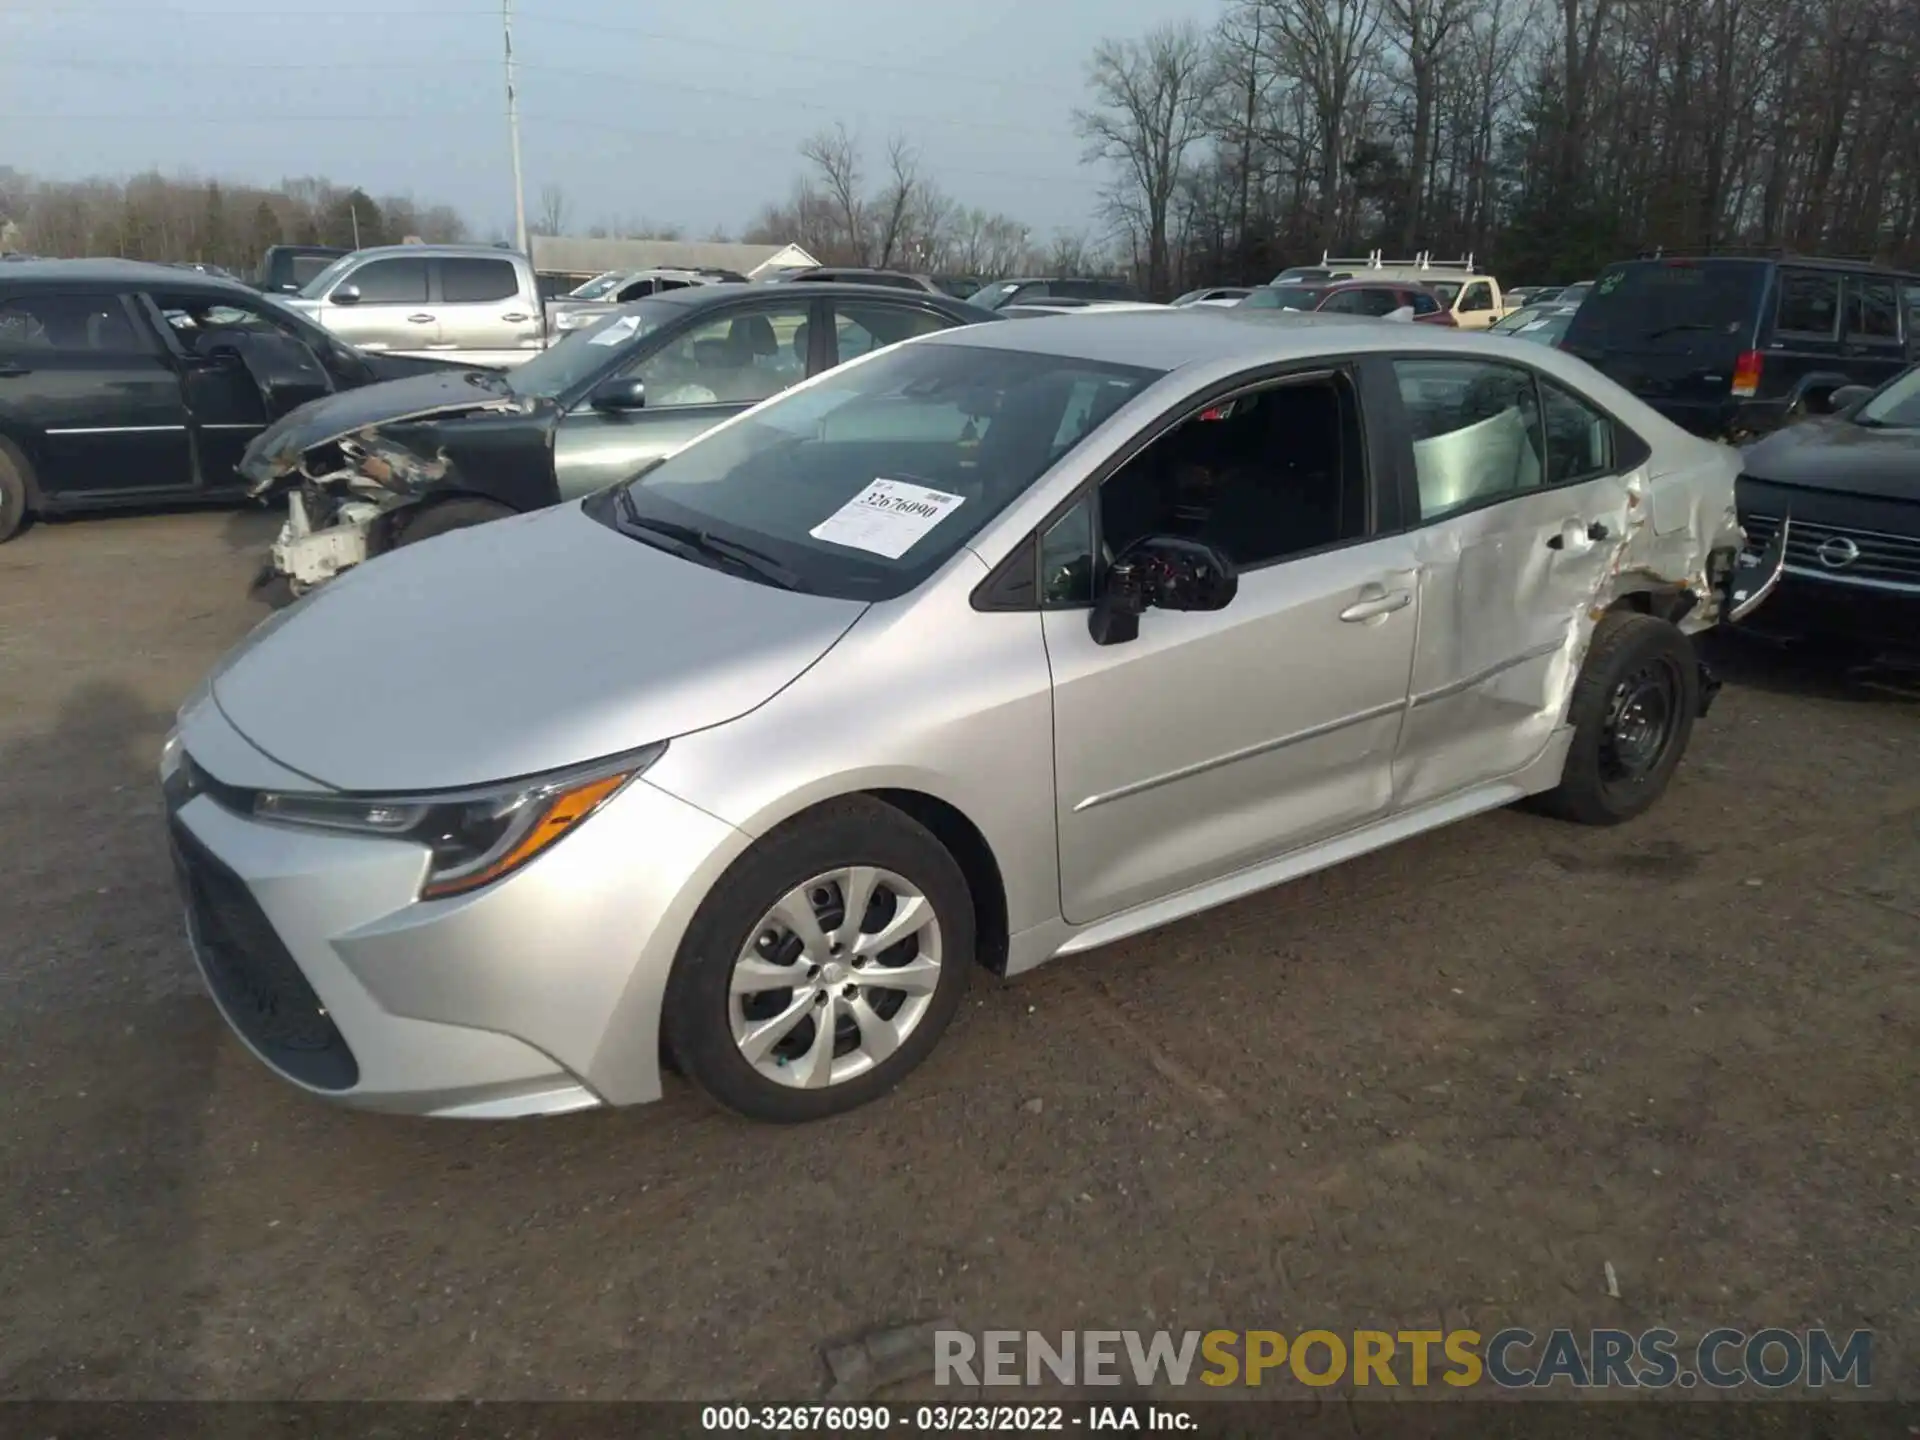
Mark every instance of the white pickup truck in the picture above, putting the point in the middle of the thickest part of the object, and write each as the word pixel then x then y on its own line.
pixel 472 303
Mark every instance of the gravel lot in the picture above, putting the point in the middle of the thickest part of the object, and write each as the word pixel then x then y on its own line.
pixel 1443 1085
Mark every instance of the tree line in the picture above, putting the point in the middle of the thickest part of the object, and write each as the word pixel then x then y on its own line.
pixel 1546 137
pixel 158 217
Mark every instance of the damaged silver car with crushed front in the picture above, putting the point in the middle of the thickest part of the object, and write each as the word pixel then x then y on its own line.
pixel 395 464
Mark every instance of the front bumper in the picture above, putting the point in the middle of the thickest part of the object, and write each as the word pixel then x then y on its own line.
pixel 1815 608
pixel 537 995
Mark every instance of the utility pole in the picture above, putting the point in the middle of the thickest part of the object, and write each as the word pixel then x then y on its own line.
pixel 513 130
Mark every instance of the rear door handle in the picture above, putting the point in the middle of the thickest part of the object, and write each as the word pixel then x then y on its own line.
pixel 1573 536
pixel 420 319
pixel 1375 603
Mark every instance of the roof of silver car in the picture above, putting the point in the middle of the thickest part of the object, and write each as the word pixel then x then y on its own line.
pixel 1169 337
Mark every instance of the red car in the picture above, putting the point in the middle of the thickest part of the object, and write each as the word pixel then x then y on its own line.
pixel 1377 298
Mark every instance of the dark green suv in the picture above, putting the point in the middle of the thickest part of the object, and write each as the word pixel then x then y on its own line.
pixel 1735 346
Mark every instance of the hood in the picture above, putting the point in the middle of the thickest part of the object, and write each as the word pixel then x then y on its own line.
pixel 510 649
pixel 277 450
pixel 1833 454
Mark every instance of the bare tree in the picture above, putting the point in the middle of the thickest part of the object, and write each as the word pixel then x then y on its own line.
pixel 893 210
pixel 837 159
pixel 553 211
pixel 1149 112
pixel 1328 43
pixel 1424 31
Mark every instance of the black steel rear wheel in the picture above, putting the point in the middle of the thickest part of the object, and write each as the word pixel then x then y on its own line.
pixel 1632 713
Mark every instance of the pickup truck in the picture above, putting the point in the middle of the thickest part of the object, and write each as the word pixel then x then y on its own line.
pixel 473 304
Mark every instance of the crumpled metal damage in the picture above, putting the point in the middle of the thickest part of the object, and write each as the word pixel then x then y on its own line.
pixel 1507 617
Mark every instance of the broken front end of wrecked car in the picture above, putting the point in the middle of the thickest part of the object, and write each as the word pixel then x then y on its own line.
pixel 351 464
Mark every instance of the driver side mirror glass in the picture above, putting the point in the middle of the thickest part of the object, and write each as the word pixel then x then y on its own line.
pixel 348 294
pixel 622 392
pixel 1161 572
pixel 1846 397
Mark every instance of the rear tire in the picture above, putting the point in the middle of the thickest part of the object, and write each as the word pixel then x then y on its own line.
pixel 747 986
pixel 1632 711
pixel 16 484
pixel 450 515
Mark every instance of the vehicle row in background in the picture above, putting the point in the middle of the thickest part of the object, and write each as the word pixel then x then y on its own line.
pixel 1374 299
pixel 1541 322
pixel 387 467
pixel 124 383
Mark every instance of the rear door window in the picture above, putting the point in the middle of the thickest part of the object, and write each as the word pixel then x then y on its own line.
pixel 72 324
pixel 1809 305
pixel 864 325
pixel 475 282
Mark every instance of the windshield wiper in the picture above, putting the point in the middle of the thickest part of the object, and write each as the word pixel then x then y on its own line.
pixel 691 543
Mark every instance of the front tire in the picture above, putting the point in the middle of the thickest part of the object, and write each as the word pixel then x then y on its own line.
pixel 1632 711
pixel 823 966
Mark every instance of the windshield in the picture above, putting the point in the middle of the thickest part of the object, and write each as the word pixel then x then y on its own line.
pixel 318 286
pixel 1284 297
pixel 991 297
pixel 863 484
pixel 1545 328
pixel 584 353
pixel 1651 300
pixel 598 286
pixel 1896 407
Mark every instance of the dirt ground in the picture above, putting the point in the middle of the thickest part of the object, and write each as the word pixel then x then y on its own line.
pixel 1440 1086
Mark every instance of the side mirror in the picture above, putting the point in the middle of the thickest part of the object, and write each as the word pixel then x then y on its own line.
pixel 345 295
pixel 623 392
pixel 1162 572
pixel 1846 397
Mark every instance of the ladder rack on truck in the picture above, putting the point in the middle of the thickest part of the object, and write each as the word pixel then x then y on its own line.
pixel 1375 260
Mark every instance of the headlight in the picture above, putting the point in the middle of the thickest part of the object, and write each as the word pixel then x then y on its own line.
pixel 476 836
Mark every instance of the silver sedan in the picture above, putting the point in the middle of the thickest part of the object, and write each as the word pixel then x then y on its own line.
pixel 998 645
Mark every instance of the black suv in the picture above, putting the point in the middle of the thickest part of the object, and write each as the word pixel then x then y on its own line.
pixel 1735 346
pixel 131 384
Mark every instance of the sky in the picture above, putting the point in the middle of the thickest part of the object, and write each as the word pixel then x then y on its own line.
pixel 688 113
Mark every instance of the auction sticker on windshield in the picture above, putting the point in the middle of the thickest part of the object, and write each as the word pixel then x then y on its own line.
pixel 620 330
pixel 887 518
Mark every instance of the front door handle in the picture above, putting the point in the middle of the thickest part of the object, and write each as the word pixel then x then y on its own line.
pixel 420 319
pixel 516 318
pixel 1375 603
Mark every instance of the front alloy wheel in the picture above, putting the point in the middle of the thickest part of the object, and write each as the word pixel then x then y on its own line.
pixel 859 950
pixel 837 976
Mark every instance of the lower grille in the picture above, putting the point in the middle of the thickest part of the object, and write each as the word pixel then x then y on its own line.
pixel 252 974
pixel 1866 556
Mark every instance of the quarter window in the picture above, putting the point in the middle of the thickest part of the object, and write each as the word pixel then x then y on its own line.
pixel 1477 435
pixel 1809 304
pixel 400 281
pixel 1873 311
pixel 474 282
pixel 1579 438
